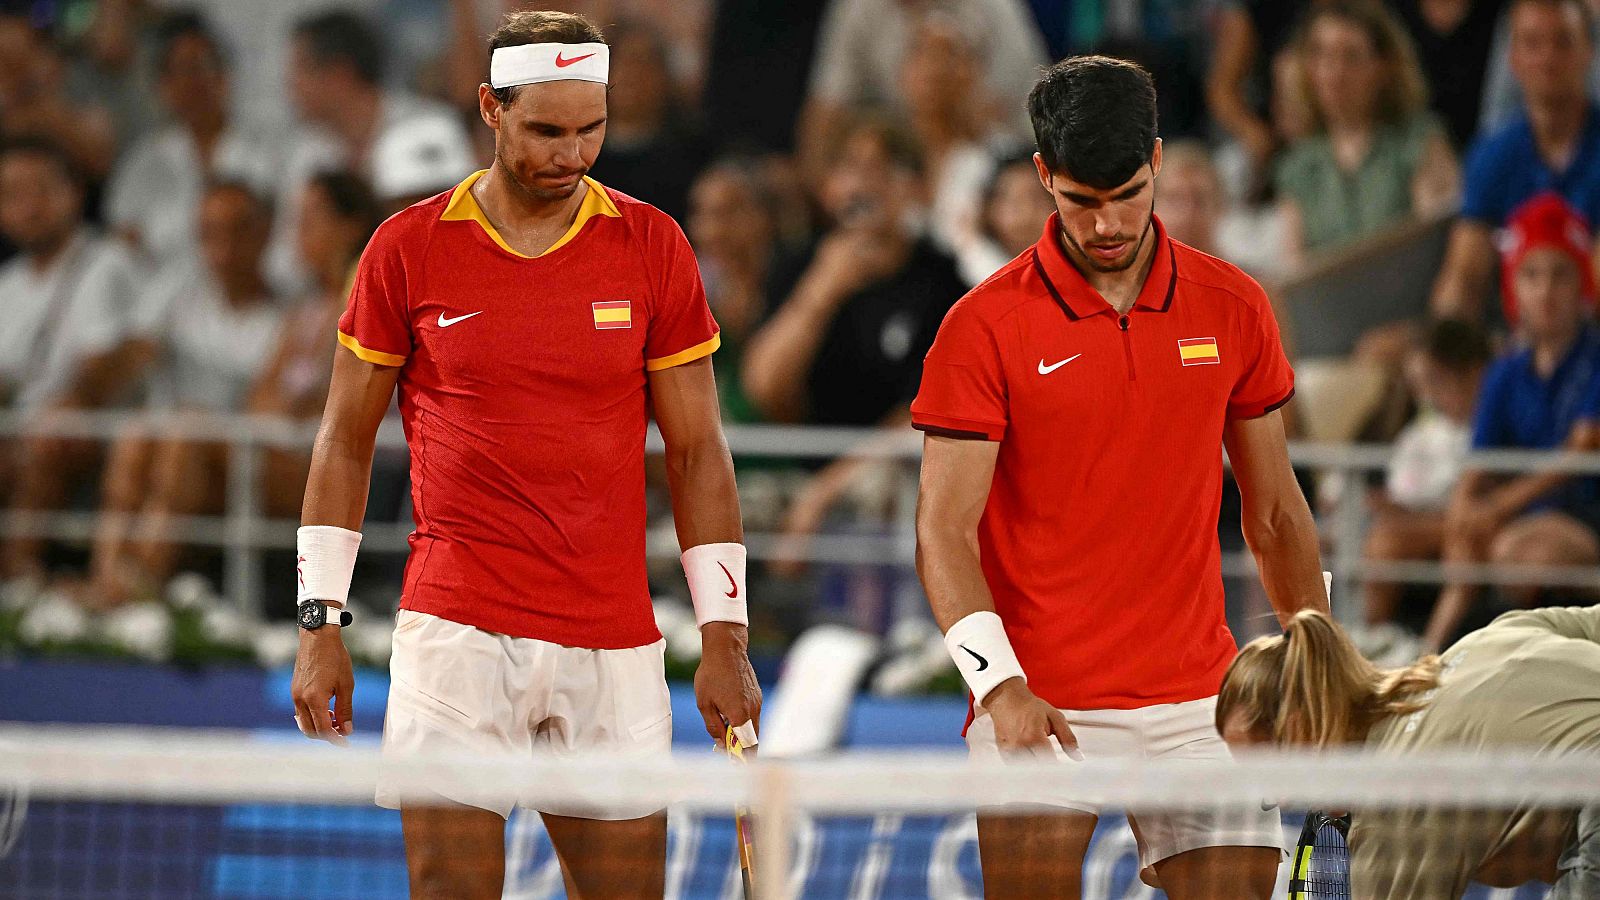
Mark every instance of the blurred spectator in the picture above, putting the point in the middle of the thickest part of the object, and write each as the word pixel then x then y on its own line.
pixel 1502 95
pixel 157 185
pixel 748 101
pixel 1445 371
pixel 1170 38
pixel 337 215
pixel 1250 41
pixel 336 83
pixel 1554 146
pixel 1543 395
pixel 1196 211
pixel 67 299
pixel 35 100
pixel 653 146
pixel 206 331
pixel 1453 39
pixel 865 42
pixel 846 346
pixel 1015 208
pixel 733 226
pixel 1190 194
pixel 939 84
pixel 1376 156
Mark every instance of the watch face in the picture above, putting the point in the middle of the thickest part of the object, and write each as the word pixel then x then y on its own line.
pixel 312 615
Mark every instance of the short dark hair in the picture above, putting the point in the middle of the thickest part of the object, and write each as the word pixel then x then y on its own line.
pixel 540 26
pixel 181 24
pixel 1456 345
pixel 1094 119
pixel 262 203
pixel 46 148
pixel 351 198
pixel 338 36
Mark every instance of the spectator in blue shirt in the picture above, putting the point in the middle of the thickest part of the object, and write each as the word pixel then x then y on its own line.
pixel 1555 146
pixel 1543 395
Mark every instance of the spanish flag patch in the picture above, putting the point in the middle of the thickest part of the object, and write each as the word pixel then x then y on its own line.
pixel 613 314
pixel 1198 352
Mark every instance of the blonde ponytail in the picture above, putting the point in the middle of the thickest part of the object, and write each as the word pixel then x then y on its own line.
pixel 1311 687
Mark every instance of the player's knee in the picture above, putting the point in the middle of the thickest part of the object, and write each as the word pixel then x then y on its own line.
pixel 440 874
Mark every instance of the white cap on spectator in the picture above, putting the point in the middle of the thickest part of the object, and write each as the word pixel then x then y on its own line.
pixel 421 157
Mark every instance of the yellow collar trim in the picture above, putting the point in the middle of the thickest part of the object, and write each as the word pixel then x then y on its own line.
pixel 463 207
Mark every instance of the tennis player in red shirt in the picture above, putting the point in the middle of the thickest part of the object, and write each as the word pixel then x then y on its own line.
pixel 1075 407
pixel 533 320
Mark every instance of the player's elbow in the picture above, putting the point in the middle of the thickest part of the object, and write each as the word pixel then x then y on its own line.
pixel 1277 525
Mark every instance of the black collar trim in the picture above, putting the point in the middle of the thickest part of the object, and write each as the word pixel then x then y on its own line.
pixel 1051 287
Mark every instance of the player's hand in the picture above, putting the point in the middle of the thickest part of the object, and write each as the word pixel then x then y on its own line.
pixel 1023 723
pixel 321 673
pixel 725 687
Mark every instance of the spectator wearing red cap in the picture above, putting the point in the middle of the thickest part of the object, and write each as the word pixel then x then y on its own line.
pixel 1544 394
pixel 1550 223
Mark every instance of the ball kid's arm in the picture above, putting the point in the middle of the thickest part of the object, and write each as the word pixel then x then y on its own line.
pixel 1277 521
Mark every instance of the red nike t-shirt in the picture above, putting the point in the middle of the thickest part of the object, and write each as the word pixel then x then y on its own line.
pixel 523 395
pixel 1099 539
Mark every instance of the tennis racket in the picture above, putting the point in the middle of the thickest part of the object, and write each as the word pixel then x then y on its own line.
pixel 741 823
pixel 1321 864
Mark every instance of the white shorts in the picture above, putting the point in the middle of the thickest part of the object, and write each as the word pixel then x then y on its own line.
pixel 457 689
pixel 1166 731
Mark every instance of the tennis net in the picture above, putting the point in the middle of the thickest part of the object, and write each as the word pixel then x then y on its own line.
pixel 114 813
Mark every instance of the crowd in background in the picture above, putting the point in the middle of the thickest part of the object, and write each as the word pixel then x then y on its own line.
pixel 184 188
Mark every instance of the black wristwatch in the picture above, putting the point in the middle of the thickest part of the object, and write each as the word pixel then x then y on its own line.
pixel 313 614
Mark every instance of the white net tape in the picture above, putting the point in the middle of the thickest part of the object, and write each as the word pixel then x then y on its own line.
pixel 129 813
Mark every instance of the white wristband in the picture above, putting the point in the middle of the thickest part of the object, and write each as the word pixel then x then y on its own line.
pixel 327 558
pixel 716 583
pixel 983 653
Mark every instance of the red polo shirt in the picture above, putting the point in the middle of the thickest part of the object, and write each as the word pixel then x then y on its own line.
pixel 523 394
pixel 1099 540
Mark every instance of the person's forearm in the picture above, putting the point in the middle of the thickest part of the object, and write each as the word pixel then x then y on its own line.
pixel 1464 280
pixel 1510 499
pixel 341 471
pixel 1284 543
pixel 781 353
pixel 101 378
pixel 951 570
pixel 705 498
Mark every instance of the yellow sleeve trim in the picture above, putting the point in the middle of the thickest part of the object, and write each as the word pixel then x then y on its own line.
pixel 375 357
pixel 705 348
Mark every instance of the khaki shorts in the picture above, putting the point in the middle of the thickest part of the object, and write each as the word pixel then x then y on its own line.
pixel 1166 731
pixel 455 689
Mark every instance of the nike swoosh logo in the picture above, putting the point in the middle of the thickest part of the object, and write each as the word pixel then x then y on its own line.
pixel 733 594
pixel 563 63
pixel 1046 370
pixel 982 663
pixel 445 322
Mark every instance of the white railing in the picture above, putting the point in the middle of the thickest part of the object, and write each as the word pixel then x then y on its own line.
pixel 244 533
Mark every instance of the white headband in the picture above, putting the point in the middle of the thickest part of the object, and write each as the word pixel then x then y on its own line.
pixel 535 63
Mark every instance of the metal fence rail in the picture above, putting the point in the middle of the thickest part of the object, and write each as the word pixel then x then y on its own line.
pixel 243 533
